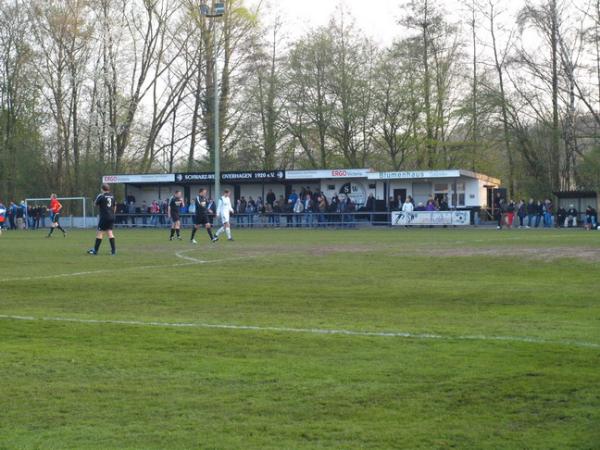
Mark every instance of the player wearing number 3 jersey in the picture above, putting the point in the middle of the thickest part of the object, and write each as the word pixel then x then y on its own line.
pixel 106 207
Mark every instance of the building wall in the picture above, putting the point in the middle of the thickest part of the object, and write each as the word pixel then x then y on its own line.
pixel 473 192
pixel 421 192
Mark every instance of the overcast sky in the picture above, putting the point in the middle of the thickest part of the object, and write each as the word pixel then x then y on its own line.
pixel 377 18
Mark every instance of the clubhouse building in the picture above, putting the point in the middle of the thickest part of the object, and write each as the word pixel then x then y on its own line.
pixel 463 189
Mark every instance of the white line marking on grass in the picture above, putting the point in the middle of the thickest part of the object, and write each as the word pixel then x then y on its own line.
pixel 95 272
pixel 190 262
pixel 181 255
pixel 321 331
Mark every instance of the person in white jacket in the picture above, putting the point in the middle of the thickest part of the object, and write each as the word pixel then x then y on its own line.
pixel 224 211
pixel 408 205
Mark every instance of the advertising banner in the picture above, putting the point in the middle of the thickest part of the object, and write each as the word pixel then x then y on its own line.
pixel 260 176
pixel 144 178
pixel 355 191
pixel 267 176
pixel 426 218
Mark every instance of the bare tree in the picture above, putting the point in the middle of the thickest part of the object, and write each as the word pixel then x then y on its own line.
pixel 396 103
pixel 311 105
pixel 500 61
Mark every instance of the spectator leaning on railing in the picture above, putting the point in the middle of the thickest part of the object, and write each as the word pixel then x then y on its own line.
pixel 408 205
pixel 298 211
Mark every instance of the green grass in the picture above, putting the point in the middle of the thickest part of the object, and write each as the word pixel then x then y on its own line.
pixel 109 385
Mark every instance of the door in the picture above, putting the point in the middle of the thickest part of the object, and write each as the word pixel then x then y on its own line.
pixel 399 198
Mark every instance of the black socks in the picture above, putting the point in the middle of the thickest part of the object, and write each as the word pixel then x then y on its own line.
pixel 209 231
pixel 193 233
pixel 99 242
pixel 172 232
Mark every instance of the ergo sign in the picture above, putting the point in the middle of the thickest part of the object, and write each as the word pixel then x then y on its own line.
pixel 339 173
pixel 324 174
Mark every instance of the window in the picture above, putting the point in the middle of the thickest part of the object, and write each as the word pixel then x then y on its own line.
pixel 459 194
pixel 440 188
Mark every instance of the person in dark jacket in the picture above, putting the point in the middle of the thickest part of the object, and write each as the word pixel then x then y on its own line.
pixel 561 216
pixel 270 197
pixel 540 213
pixel 444 204
pixel 571 217
pixel 522 213
pixel 499 212
pixel 591 218
pixel 11 213
pixel 531 213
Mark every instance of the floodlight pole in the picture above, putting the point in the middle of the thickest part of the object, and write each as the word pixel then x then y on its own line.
pixel 218 10
pixel 216 137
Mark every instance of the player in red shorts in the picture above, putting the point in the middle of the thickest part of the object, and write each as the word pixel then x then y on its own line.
pixel 55 208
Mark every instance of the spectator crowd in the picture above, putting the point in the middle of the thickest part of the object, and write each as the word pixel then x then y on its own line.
pixel 306 208
pixel 312 208
pixel 541 213
pixel 19 216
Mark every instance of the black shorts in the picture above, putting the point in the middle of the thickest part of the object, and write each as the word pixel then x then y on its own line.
pixel 201 219
pixel 175 218
pixel 55 217
pixel 105 224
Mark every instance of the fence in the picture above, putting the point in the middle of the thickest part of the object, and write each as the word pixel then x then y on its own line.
pixel 301 220
pixel 281 220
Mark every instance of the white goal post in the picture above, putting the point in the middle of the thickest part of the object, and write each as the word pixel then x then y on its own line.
pixel 46 201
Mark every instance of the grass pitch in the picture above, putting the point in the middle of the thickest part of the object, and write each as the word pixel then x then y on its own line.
pixel 501 345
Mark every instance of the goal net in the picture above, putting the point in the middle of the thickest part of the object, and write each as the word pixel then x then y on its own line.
pixel 76 212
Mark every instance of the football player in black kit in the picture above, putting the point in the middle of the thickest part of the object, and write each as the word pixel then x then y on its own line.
pixel 106 206
pixel 201 218
pixel 175 204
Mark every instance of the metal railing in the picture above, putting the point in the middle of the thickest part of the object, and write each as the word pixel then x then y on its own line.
pixel 355 219
pixel 352 219
pixel 263 220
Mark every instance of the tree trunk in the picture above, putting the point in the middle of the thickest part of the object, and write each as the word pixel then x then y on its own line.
pixel 503 105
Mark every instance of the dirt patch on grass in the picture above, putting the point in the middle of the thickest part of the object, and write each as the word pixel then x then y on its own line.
pixel 324 250
pixel 309 250
pixel 535 253
pixel 411 249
